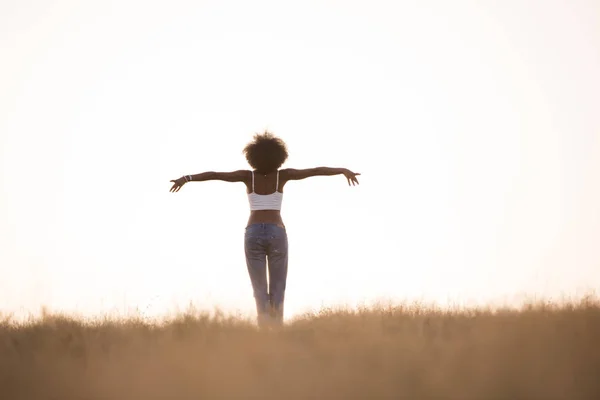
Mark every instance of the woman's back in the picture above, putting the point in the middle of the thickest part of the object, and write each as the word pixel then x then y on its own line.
pixel 266 201
pixel 262 184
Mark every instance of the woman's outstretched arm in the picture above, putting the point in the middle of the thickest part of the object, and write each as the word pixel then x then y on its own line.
pixel 297 174
pixel 236 176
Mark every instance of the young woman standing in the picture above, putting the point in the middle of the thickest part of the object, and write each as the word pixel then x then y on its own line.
pixel 265 237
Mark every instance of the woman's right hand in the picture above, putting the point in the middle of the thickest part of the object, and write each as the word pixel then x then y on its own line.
pixel 351 176
pixel 178 183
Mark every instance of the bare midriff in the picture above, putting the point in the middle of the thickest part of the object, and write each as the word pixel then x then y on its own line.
pixel 265 217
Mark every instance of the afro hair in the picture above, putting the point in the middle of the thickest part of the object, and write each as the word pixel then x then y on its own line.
pixel 266 152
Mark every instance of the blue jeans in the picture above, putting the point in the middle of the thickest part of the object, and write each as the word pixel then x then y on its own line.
pixel 267 242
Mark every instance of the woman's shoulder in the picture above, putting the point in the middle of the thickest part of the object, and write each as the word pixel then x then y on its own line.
pixel 286 173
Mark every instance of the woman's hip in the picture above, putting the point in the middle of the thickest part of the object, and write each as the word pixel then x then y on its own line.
pixel 265 235
pixel 265 229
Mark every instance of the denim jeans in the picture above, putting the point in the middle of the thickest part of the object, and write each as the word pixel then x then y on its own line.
pixel 267 242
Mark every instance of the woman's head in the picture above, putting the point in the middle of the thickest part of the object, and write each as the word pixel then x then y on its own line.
pixel 266 152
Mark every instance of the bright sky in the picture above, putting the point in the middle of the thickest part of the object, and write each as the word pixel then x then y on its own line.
pixel 475 126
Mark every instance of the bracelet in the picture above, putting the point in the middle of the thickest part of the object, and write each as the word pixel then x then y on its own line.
pixel 186 178
pixel 190 178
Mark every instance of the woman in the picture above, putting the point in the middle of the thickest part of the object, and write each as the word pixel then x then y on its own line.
pixel 266 237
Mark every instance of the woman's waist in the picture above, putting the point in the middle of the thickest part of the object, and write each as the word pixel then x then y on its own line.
pixel 265 217
pixel 265 213
pixel 264 225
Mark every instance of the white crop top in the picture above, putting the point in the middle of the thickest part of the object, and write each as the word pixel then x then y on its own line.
pixel 265 201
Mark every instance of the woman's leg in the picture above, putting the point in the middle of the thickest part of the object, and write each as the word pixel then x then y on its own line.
pixel 277 254
pixel 257 269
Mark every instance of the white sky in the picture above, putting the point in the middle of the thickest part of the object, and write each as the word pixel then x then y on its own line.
pixel 475 126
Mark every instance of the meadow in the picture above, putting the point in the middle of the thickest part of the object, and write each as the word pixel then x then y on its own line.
pixel 542 350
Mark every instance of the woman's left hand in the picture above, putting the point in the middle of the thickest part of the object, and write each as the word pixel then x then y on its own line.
pixel 178 183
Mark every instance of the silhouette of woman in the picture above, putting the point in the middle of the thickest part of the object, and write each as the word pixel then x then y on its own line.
pixel 265 237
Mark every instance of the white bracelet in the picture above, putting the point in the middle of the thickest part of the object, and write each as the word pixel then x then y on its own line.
pixel 190 177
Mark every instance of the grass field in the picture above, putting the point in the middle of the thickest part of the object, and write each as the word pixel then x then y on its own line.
pixel 540 351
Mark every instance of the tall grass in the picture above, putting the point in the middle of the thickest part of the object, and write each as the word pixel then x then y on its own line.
pixel 542 351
